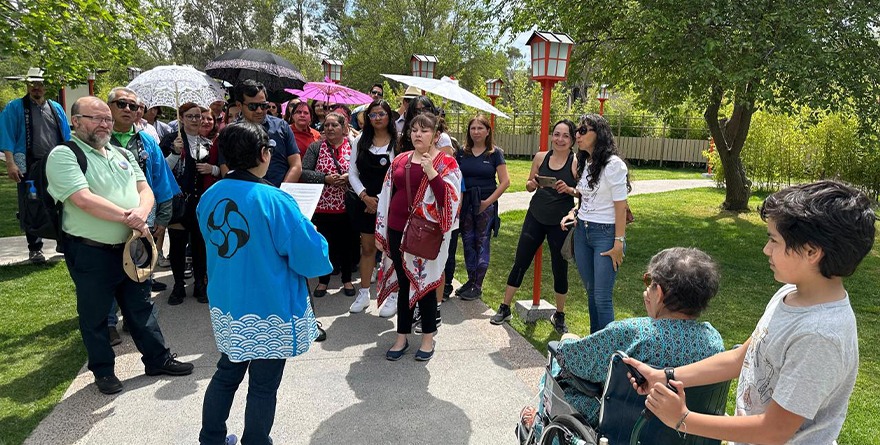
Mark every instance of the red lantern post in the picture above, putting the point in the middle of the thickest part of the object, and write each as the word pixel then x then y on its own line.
pixel 550 55
pixel 332 69
pixel 602 97
pixel 493 90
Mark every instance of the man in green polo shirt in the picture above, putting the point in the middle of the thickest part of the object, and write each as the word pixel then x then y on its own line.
pixel 101 208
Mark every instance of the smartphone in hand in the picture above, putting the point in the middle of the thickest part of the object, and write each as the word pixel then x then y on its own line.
pixel 545 181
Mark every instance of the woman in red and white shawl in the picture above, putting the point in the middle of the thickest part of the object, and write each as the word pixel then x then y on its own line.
pixel 438 199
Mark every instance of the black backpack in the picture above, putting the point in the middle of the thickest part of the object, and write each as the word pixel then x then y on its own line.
pixel 40 214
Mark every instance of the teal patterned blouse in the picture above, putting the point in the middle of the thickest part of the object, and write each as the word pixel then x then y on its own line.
pixel 659 342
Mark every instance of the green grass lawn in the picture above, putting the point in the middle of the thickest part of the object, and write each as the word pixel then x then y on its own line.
pixel 519 171
pixel 735 242
pixel 9 204
pixel 40 344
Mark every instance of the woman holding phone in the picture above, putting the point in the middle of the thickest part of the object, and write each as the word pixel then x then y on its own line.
pixel 600 219
pixel 552 178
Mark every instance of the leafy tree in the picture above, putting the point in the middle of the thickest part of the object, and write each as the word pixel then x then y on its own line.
pixel 71 38
pixel 724 54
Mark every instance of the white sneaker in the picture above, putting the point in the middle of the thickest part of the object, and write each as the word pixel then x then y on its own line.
pixel 375 276
pixel 389 307
pixel 163 262
pixel 361 302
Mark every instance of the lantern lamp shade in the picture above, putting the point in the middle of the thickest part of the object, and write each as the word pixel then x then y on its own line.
pixel 603 92
pixel 332 69
pixel 133 72
pixel 550 55
pixel 423 66
pixel 493 87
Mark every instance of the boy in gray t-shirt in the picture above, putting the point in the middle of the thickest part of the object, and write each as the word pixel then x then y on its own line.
pixel 797 370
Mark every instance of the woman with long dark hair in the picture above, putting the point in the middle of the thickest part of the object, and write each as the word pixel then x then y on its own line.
pixel 485 180
pixel 548 205
pixel 371 155
pixel 600 229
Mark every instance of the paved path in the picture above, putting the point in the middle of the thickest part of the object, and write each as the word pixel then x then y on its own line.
pixel 342 391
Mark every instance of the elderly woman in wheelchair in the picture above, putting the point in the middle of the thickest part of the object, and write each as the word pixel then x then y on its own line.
pixel 582 395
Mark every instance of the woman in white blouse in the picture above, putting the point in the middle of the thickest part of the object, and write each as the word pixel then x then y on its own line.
pixel 600 229
pixel 371 155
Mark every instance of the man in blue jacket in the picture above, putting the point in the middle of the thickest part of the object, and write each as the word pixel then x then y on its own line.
pixel 254 230
pixel 29 128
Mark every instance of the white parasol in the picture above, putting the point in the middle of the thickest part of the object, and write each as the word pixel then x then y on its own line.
pixel 173 85
pixel 449 89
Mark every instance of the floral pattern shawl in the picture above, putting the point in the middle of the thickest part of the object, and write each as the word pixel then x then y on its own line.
pixel 424 274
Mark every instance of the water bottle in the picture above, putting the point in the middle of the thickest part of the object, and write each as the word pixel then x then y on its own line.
pixel 32 190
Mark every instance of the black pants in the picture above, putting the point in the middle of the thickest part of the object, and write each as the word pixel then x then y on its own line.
pixel 530 239
pixel 449 269
pixel 177 253
pixel 99 279
pixel 427 304
pixel 35 243
pixel 341 238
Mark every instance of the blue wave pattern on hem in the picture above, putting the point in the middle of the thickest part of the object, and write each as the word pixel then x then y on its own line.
pixel 251 337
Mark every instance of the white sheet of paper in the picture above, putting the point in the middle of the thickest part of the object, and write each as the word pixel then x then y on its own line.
pixel 306 195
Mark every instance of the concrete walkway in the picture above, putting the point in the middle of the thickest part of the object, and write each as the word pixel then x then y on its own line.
pixel 342 391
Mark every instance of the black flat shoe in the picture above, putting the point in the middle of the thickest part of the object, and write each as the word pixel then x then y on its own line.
pixel 424 356
pixel 349 292
pixel 318 293
pixel 396 355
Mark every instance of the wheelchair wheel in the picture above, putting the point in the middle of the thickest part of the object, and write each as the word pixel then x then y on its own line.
pixel 567 430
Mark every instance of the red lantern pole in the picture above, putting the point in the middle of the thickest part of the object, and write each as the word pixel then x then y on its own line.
pixel 492 118
pixel 91 84
pixel 602 106
pixel 547 90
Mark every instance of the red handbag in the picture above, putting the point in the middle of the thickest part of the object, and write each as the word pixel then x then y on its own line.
pixel 421 238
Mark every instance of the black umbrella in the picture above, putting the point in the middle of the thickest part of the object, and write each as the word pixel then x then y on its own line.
pixel 275 72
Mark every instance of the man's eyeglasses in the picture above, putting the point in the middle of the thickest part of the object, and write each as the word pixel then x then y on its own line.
pixel 192 117
pixel 98 119
pixel 582 130
pixel 377 93
pixel 253 106
pixel 378 115
pixel 121 104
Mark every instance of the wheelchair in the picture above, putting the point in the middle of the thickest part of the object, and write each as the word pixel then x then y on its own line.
pixel 623 418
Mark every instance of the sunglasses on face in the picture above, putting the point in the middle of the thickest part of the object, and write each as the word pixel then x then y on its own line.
pixel 121 104
pixel 584 130
pixel 377 93
pixel 378 115
pixel 253 106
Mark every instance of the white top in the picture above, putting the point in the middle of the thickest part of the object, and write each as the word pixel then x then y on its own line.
pixel 597 204
pixel 806 359
pixel 354 176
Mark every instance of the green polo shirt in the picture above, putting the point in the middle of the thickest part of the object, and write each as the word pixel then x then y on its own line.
pixel 113 177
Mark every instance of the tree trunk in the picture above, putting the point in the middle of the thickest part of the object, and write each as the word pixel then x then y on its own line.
pixel 730 137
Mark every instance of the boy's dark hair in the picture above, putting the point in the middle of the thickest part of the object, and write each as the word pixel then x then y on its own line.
pixel 241 144
pixel 379 86
pixel 829 215
pixel 249 88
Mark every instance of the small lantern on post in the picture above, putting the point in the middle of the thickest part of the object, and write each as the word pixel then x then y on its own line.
pixel 493 90
pixel 332 69
pixel 423 66
pixel 602 97
pixel 133 72
pixel 550 56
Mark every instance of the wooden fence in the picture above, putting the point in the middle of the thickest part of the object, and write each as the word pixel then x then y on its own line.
pixel 688 151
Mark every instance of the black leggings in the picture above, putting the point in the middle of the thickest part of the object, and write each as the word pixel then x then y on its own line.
pixel 530 239
pixel 177 253
pixel 427 304
pixel 336 228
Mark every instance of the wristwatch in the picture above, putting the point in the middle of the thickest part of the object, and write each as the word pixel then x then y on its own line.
pixel 670 373
pixel 622 238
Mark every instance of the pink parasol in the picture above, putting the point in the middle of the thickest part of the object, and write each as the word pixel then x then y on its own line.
pixel 331 93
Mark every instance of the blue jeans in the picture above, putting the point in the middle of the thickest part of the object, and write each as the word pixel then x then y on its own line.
pixel 259 412
pixel 597 271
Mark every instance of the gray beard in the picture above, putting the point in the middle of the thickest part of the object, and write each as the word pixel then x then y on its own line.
pixel 96 141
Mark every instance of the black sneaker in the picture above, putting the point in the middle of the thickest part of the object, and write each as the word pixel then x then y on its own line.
pixel 417 326
pixel 177 294
pixel 158 286
pixel 447 291
pixel 200 293
pixel 558 320
pixel 322 334
pixel 114 336
pixel 502 315
pixel 463 288
pixel 36 257
pixel 473 293
pixel 108 384
pixel 170 367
